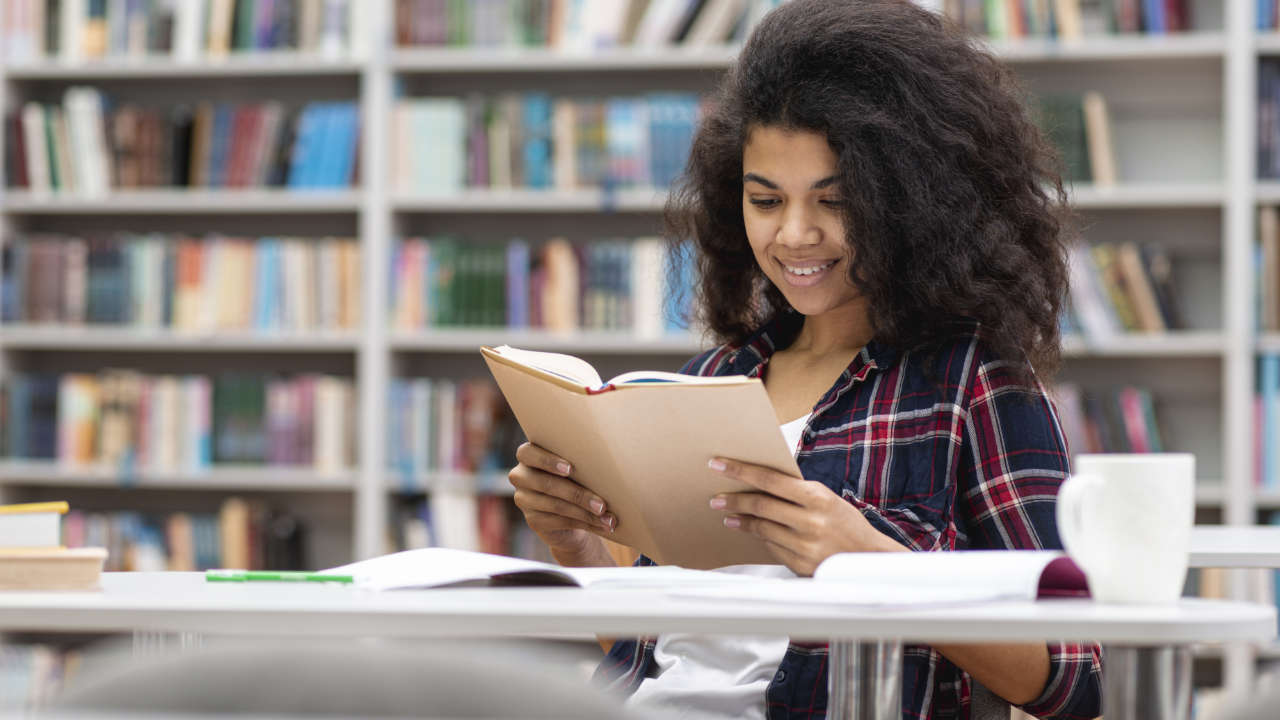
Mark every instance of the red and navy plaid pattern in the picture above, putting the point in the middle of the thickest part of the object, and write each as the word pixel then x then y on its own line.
pixel 944 453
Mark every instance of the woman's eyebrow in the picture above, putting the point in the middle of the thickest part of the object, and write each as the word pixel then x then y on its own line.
pixel 819 185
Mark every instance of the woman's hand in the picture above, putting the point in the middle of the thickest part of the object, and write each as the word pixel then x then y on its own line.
pixel 802 522
pixel 565 515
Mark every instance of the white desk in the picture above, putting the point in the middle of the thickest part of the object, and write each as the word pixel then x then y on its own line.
pixel 862 638
pixel 1226 546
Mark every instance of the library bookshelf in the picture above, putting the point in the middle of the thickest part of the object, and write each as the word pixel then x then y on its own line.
pixel 1184 108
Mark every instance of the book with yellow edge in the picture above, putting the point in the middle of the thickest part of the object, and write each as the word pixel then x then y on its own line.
pixel 642 441
pixel 32 556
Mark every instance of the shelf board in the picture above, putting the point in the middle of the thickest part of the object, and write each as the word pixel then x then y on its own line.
pixel 427 60
pixel 52 474
pixel 1268 191
pixel 1148 195
pixel 56 337
pixel 236 65
pixel 585 342
pixel 1175 343
pixel 1113 48
pixel 646 200
pixel 183 202
pixel 1268 43
pixel 483 484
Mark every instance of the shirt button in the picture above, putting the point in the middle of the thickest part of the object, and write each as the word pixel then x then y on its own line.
pixel 780 676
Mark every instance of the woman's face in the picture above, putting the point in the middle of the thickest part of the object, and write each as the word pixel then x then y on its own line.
pixel 791 206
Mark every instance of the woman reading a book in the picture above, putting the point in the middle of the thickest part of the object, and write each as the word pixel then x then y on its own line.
pixel 880 233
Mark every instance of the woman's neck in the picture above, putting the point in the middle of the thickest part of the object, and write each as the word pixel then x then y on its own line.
pixel 845 329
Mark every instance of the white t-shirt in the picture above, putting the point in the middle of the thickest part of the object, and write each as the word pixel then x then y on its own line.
pixel 715 676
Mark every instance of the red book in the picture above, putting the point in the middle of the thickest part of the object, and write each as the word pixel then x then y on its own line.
pixel 1135 423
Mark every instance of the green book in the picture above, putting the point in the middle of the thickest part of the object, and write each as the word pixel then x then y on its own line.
pixel 245 13
pixel 1062 120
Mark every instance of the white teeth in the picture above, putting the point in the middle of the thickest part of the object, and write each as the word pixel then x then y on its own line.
pixel 808 270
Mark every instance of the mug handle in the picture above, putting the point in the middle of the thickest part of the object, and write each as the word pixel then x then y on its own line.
pixel 1076 497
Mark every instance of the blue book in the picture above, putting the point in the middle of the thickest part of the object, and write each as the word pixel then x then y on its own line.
pixel 304 147
pixel 1266 14
pixel 266 285
pixel 1153 15
pixel 1270 389
pixel 537 140
pixel 676 298
pixel 322 167
pixel 220 145
pixel 517 281
pixel 19 403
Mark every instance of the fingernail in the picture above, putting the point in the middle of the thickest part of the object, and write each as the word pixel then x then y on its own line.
pixel 732 522
pixel 716 464
pixel 718 503
pixel 610 521
pixel 597 506
pixel 562 467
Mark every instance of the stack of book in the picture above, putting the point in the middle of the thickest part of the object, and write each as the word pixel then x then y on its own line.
pixel 1069 19
pixel 187 30
pixel 442 426
pixel 1108 421
pixel 191 285
pixel 1080 128
pixel 82 147
pixel 248 534
pixel 446 144
pixel 571 25
pixel 129 422
pixel 33 556
pixel 1123 287
pixel 633 285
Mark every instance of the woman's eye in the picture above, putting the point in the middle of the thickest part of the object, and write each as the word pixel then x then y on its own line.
pixel 832 202
pixel 764 202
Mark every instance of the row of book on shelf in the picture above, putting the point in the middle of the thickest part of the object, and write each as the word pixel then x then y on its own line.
pixel 244 533
pixel 1267 424
pixel 576 26
pixel 1119 420
pixel 1268 119
pixel 186 30
pixel 637 285
pixel 464 520
pixel 532 140
pixel 131 423
pixel 1121 287
pixel 1070 19
pixel 187 284
pixel 89 146
pixel 440 427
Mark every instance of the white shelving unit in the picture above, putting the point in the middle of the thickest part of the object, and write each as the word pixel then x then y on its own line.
pixel 1183 112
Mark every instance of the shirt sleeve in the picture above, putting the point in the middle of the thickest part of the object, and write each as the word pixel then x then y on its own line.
pixel 1014 461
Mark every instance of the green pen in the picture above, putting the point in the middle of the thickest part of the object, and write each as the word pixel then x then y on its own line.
pixel 273 576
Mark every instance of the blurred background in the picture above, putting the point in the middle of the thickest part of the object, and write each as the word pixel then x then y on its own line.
pixel 250 249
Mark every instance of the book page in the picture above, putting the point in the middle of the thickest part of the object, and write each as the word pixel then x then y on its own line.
pixel 568 367
pixel 658 376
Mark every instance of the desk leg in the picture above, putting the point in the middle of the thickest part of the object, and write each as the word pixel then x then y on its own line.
pixel 864 680
pixel 1146 683
pixel 156 642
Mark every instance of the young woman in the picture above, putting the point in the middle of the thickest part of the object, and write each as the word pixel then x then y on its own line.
pixel 880 237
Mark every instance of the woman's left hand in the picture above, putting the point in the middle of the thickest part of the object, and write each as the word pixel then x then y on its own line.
pixel 802 522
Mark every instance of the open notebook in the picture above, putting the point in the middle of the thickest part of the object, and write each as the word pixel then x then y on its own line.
pixel 642 441
pixel 443 567
pixel 918 578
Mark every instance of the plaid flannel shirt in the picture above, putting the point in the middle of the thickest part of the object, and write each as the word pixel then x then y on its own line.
pixel 951 456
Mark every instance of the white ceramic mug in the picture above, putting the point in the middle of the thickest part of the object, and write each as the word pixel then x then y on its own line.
pixel 1126 521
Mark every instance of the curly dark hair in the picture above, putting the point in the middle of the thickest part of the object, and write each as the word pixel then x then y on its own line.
pixel 954 203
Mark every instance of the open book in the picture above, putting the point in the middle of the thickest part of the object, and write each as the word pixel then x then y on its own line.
pixel 443 567
pixel 919 578
pixel 642 441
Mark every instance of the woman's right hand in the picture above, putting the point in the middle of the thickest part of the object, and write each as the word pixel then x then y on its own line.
pixel 569 518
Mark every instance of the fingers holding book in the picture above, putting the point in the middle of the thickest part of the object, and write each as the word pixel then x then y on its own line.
pixel 556 508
